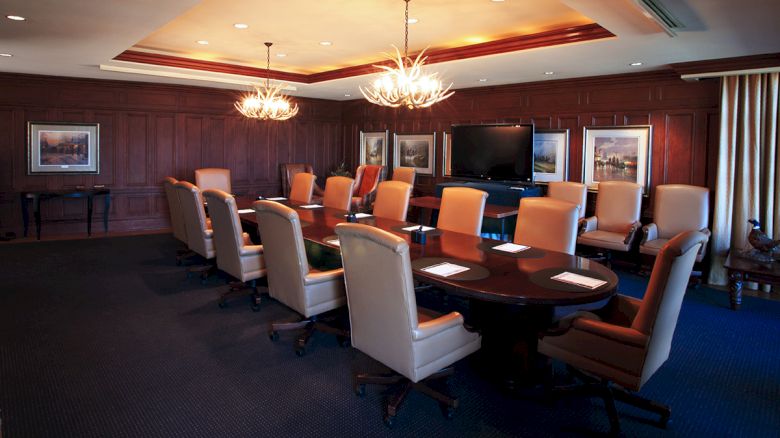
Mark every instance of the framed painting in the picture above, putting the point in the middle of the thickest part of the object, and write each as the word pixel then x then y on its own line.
pixel 446 157
pixel 551 155
pixel 617 153
pixel 373 148
pixel 57 148
pixel 417 151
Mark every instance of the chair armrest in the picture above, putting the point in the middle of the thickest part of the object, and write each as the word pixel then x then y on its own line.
pixel 436 326
pixel 323 276
pixel 649 232
pixel 248 250
pixel 208 234
pixel 247 239
pixel 318 191
pixel 632 232
pixel 624 335
pixel 588 224
pixel 620 310
pixel 208 223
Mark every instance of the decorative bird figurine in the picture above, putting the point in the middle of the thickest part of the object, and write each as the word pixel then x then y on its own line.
pixel 759 240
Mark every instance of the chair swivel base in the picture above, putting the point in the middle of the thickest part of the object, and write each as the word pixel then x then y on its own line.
pixel 309 326
pixel 401 387
pixel 204 271
pixel 182 254
pixel 240 289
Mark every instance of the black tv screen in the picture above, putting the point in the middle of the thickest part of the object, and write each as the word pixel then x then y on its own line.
pixel 493 152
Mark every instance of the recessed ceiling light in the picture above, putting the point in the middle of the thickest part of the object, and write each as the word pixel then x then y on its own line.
pixel 483 80
pixel 202 42
pixel 497 1
pixel 6 55
pixel 326 43
pixel 549 73
pixel 241 26
pixel 281 55
pixel 635 64
pixel 15 17
pixel 412 21
pixel 347 95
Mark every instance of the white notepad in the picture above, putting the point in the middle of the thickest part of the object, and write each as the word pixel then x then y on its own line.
pixel 334 242
pixel 360 215
pixel 278 198
pixel 445 269
pixel 310 206
pixel 246 210
pixel 511 247
pixel 579 280
pixel 417 227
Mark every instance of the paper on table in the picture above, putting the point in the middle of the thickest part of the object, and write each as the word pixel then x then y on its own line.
pixel 334 242
pixel 246 210
pixel 278 198
pixel 445 269
pixel 417 227
pixel 310 206
pixel 579 280
pixel 360 215
pixel 511 247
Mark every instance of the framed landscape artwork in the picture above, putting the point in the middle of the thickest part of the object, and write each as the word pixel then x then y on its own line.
pixel 373 148
pixel 551 155
pixel 417 151
pixel 56 148
pixel 616 153
pixel 446 157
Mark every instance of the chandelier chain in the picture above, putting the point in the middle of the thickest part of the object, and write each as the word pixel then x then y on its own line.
pixel 406 30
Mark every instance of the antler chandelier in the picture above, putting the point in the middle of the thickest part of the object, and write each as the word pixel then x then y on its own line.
pixel 267 103
pixel 406 85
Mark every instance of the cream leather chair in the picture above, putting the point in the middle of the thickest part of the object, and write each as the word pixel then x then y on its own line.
pixel 627 340
pixel 199 233
pixel 236 255
pixel 547 224
pixel 461 210
pixel 177 220
pixel 213 178
pixel 302 187
pixel 392 200
pixel 386 323
pixel 309 292
pixel 616 223
pixel 338 192
pixel 405 174
pixel 677 208
pixel 573 192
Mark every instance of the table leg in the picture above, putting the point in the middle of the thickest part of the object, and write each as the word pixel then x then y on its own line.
pixel 735 289
pixel 89 214
pixel 502 227
pixel 25 215
pixel 106 209
pixel 37 215
pixel 420 215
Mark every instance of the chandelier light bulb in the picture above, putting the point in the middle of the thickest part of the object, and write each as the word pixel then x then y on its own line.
pixel 267 103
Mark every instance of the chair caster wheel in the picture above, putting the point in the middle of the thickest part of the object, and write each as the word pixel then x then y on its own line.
pixel 222 304
pixel 273 335
pixel 300 351
pixel 447 411
pixel 343 341
pixel 389 420
pixel 255 307
pixel 360 389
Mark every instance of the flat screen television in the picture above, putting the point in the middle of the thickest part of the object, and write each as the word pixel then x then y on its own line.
pixel 493 152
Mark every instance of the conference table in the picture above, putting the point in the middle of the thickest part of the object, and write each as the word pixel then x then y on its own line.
pixel 511 295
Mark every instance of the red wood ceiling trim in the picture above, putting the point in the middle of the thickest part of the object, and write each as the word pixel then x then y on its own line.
pixel 587 32
pixel 728 64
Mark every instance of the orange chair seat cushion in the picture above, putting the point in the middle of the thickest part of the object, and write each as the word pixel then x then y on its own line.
pixel 370 175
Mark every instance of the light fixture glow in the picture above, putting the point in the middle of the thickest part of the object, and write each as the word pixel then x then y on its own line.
pixel 412 21
pixel 267 103
pixel 202 42
pixel 483 80
pixel 347 95
pixel 281 55
pixel 635 64
pixel 241 26
pixel 326 43
pixel 6 55
pixel 405 84
pixel 549 73
pixel 15 17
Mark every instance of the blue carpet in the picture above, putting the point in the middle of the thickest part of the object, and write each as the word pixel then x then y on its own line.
pixel 106 337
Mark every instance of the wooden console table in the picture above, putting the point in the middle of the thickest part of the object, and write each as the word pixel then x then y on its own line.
pixel 742 269
pixel 37 196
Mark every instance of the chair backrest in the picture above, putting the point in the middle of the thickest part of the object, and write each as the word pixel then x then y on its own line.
pixel 548 224
pixel 680 207
pixel 284 252
pixel 368 176
pixel 213 178
pixel 194 218
pixel 228 234
pixel 461 210
pixel 288 172
pixel 657 316
pixel 576 193
pixel 392 200
pixel 174 207
pixel 405 174
pixel 302 187
pixel 338 192
pixel 380 294
pixel 618 205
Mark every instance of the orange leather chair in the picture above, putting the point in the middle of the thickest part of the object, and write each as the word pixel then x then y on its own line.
pixel 616 223
pixel 405 174
pixel 547 224
pixel 338 192
pixel 302 187
pixel 392 200
pixel 367 178
pixel 677 208
pixel 213 178
pixel 627 340
pixel 461 210
pixel 573 192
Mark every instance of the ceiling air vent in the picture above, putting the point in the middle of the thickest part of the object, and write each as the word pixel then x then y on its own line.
pixel 661 15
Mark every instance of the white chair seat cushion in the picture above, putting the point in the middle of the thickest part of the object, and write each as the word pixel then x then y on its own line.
pixel 604 239
pixel 653 247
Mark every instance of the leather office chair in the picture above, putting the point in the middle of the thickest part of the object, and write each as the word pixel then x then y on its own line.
pixel 405 174
pixel 367 178
pixel 627 340
pixel 177 220
pixel 236 255
pixel 461 210
pixel 213 178
pixel 616 223
pixel 338 192
pixel 291 281
pixel 288 172
pixel 573 192
pixel 677 208
pixel 388 326
pixel 199 233
pixel 392 200
pixel 302 187
pixel 547 224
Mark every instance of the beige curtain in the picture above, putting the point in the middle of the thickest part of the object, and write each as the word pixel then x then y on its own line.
pixel 748 182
